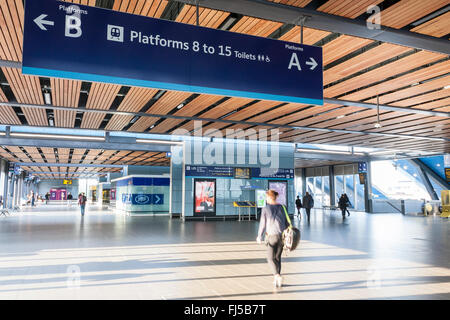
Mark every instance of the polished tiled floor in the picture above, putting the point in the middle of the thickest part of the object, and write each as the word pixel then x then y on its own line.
pixel 50 252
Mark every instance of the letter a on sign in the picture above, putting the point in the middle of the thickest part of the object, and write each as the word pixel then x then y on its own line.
pixel 294 62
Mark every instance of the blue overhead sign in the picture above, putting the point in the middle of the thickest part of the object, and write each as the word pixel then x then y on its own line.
pixel 229 172
pixel 143 199
pixel 93 44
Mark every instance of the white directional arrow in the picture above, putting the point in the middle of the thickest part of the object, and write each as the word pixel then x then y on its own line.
pixel 157 201
pixel 311 63
pixel 40 22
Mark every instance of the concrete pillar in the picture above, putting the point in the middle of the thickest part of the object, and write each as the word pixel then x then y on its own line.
pixel 15 190
pixel 368 189
pixel 10 190
pixel 303 182
pixel 332 186
pixel 176 182
pixel 3 180
pixel 20 188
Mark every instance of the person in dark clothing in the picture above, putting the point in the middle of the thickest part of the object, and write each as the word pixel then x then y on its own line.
pixel 273 223
pixel 69 196
pixel 308 203
pixel 343 205
pixel 32 198
pixel 348 204
pixel 298 205
pixel 82 202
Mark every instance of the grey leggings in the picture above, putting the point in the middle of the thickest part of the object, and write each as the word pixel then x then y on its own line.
pixel 274 251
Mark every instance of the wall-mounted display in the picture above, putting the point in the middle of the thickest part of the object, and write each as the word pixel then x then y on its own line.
pixel 242 173
pixel 281 188
pixel 238 172
pixel 260 198
pixel 204 196
pixel 362 178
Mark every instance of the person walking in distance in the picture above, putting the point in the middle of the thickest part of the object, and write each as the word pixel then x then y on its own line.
pixel 308 203
pixel 32 199
pixel 273 223
pixel 82 202
pixel 298 205
pixel 347 203
pixel 343 205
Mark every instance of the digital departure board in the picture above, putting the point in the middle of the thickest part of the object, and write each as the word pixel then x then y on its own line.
pixel 242 173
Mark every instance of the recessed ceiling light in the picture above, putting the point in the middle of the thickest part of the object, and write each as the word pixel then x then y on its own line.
pixel 181 105
pixel 47 98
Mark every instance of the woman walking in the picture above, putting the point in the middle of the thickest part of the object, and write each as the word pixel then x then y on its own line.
pixel 82 202
pixel 273 223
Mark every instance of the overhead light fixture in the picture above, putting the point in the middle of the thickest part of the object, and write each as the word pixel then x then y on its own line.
pixel 378 124
pixel 158 141
pixel 381 152
pixel 330 151
pixel 340 117
pixel 447 86
pixel 47 98
pixel 134 119
pixel 228 23
pixel 181 105
pixel 50 121
pixel 55 136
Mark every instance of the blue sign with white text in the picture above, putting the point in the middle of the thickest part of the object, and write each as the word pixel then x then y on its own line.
pixel 228 172
pixel 142 199
pixel 93 44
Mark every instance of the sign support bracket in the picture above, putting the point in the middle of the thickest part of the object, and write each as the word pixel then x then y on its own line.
pixel 301 21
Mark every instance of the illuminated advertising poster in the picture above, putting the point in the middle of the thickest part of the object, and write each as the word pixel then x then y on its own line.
pixel 281 188
pixel 260 198
pixel 204 196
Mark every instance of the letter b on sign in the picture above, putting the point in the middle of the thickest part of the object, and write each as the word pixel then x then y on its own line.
pixel 73 27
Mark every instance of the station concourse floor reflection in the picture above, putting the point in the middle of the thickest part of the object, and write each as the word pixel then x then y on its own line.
pixel 51 252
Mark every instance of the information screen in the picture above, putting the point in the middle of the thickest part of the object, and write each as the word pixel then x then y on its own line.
pixel 242 173
pixel 281 188
pixel 261 198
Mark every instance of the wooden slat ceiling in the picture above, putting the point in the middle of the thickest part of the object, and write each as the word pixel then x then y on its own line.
pixel 134 101
pixel 356 69
pixel 404 12
pixel 80 156
pixel 149 8
pixel 7 114
pixel 437 27
pixel 294 3
pixel 65 93
pixel 347 8
pixel 163 106
pixel 207 17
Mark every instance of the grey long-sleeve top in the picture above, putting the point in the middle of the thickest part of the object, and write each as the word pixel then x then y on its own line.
pixel 273 220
